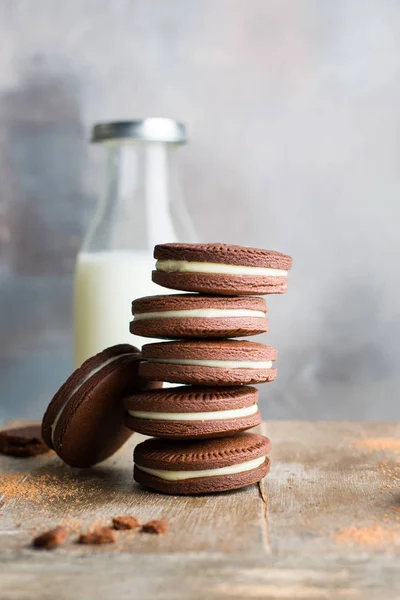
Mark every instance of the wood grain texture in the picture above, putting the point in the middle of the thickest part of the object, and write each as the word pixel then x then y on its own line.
pixel 331 502
pixel 328 477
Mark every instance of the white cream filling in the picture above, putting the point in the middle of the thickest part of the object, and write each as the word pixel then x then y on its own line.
pixel 206 313
pixel 180 475
pixel 219 364
pixel 78 387
pixel 184 266
pixel 215 415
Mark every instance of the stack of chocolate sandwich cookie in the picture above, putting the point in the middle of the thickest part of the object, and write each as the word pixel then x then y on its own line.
pixel 200 443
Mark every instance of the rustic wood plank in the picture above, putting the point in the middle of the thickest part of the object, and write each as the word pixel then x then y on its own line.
pixel 327 479
pixel 196 577
pixel 42 492
pixel 334 487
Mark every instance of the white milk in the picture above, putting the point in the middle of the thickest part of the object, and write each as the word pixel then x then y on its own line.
pixel 105 285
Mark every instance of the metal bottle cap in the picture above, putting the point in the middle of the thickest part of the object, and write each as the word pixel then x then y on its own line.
pixel 149 130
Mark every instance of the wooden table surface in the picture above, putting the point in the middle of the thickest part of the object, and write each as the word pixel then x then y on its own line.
pixel 324 524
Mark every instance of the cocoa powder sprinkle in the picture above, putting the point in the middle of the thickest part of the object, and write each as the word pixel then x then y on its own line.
pixel 374 444
pixel 374 536
pixel 36 489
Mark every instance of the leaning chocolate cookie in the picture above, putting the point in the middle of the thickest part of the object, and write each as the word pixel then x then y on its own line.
pixel 190 412
pixel 84 422
pixel 183 316
pixel 208 362
pixel 221 269
pixel 202 467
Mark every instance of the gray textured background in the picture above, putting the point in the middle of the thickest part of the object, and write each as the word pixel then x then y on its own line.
pixel 293 108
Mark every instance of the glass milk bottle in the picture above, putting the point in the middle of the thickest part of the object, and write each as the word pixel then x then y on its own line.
pixel 141 206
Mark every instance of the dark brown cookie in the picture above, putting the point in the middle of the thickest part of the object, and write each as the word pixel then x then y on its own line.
pixel 101 535
pixel 228 254
pixel 221 269
pixel 50 539
pixel 126 522
pixel 157 526
pixel 208 362
pixel 183 316
pixel 202 467
pixel 192 412
pixel 23 442
pixel 84 422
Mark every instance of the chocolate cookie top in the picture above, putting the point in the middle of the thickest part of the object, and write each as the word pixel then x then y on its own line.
pixel 84 422
pixel 200 454
pixel 227 350
pixel 224 254
pixel 178 302
pixel 190 399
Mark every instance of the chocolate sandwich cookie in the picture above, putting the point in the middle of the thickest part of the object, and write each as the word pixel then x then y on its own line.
pixel 221 269
pixel 84 422
pixel 208 362
pixel 183 316
pixel 191 412
pixel 23 442
pixel 202 466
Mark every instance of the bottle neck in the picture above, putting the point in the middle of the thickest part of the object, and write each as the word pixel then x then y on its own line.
pixel 135 210
pixel 161 191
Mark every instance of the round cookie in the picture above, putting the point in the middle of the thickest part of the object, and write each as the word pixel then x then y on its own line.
pixel 23 442
pixel 191 412
pixel 202 466
pixel 183 316
pixel 221 269
pixel 84 422
pixel 208 362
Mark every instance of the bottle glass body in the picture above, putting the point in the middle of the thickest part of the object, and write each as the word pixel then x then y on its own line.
pixel 141 206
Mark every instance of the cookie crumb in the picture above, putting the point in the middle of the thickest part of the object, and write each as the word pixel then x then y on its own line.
pixel 101 535
pixel 121 523
pixel 157 526
pixel 50 539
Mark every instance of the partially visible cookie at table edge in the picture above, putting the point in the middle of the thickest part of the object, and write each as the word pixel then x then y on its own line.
pixel 23 442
